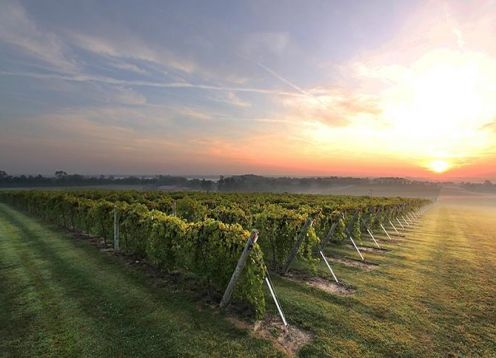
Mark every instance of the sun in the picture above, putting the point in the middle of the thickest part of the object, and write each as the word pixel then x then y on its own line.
pixel 439 166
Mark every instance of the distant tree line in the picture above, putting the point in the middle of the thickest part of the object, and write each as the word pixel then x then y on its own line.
pixel 289 184
pixel 486 186
pixel 238 183
pixel 61 178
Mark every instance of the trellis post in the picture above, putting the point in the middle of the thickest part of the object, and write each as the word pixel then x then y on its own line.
pixel 327 263
pixel 226 298
pixel 373 238
pixel 394 227
pixel 330 234
pixel 274 297
pixel 384 229
pixel 349 229
pixel 299 240
pixel 356 248
pixel 116 230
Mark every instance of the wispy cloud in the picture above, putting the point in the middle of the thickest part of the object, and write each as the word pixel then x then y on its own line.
pixel 251 96
pixel 19 30
pixel 138 83
pixel 232 99
pixel 132 47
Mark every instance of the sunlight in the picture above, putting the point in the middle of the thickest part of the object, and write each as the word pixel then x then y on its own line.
pixel 439 166
pixel 445 93
pixel 436 108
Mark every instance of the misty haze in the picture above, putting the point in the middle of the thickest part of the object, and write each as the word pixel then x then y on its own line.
pixel 247 178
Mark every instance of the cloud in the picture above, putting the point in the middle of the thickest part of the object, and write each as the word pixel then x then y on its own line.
pixel 144 83
pixel 232 99
pixel 132 47
pixel 333 107
pixel 18 29
pixel 126 66
pixel 491 126
pixel 122 139
pixel 125 96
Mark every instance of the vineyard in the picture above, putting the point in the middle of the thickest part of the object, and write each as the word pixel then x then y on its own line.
pixel 204 234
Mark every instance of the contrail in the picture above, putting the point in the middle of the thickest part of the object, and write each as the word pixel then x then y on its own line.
pixel 286 81
pixel 289 83
pixel 113 81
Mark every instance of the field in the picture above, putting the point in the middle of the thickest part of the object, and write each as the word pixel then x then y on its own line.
pixel 429 293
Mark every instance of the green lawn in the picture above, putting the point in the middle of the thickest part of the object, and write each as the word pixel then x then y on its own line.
pixel 61 297
pixel 433 294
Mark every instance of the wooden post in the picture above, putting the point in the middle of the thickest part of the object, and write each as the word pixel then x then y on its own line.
pixel 299 240
pixel 368 219
pixel 349 227
pixel 116 230
pixel 330 234
pixel 226 298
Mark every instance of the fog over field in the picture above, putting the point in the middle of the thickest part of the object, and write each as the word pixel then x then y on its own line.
pixel 247 178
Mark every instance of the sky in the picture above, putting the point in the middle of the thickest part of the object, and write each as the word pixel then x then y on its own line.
pixel 361 88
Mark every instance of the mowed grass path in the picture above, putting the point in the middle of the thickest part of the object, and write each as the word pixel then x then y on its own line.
pixel 61 297
pixel 432 295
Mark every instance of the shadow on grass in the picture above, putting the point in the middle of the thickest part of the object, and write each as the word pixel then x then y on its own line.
pixel 134 319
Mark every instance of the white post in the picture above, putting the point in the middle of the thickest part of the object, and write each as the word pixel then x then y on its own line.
pixel 394 227
pixel 373 238
pixel 400 223
pixel 389 237
pixel 406 221
pixel 356 248
pixel 328 266
pixel 276 302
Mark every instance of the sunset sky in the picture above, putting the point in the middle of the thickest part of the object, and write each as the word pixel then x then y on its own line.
pixel 362 88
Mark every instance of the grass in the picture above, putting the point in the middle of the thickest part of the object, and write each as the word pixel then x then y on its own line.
pixel 61 297
pixel 432 295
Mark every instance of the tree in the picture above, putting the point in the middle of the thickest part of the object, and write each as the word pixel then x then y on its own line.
pixel 60 174
pixel 3 174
